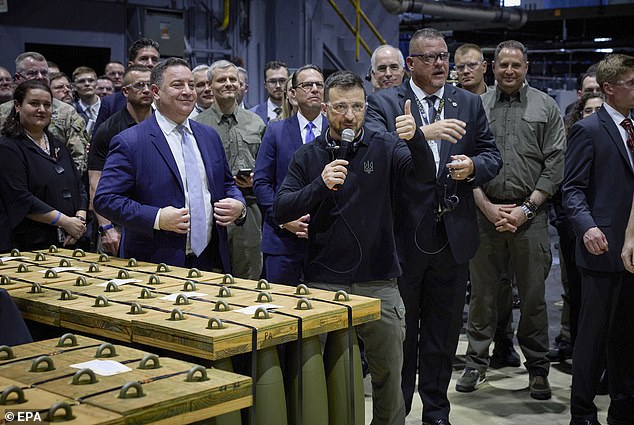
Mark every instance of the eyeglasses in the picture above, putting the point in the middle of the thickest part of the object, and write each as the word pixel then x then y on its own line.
pixel 276 81
pixel 589 111
pixel 308 85
pixel 33 73
pixel 430 58
pixel 61 87
pixel 470 65
pixel 343 108
pixel 139 85
pixel 383 68
pixel 85 81
pixel 628 84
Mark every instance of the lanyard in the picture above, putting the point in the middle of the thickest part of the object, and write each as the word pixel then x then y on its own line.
pixel 424 116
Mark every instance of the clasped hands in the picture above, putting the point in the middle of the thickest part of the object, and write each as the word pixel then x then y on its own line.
pixel 505 217
pixel 177 220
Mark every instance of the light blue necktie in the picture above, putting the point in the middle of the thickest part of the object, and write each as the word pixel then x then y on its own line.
pixel 310 136
pixel 198 228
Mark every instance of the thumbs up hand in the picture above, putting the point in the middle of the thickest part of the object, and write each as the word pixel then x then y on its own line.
pixel 405 124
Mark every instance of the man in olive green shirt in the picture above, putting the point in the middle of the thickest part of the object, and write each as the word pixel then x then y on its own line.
pixel 513 221
pixel 241 133
pixel 66 124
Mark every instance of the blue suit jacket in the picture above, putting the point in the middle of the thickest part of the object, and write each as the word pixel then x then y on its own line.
pixel 140 176
pixel 109 105
pixel 417 202
pixel 262 110
pixel 280 142
pixel 597 188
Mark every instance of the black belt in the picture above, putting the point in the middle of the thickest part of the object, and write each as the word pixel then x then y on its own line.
pixel 519 201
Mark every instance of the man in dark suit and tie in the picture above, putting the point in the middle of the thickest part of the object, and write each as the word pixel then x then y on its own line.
pixel 284 244
pixel 167 181
pixel 597 195
pixel 144 51
pixel 275 76
pixel 435 223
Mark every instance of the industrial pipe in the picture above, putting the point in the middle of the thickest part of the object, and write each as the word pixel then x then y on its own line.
pixel 514 18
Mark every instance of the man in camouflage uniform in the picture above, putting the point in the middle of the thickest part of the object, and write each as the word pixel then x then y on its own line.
pixel 66 124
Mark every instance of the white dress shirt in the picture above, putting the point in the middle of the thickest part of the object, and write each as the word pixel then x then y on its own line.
pixel 173 137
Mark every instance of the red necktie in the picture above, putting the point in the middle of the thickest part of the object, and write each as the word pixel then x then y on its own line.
pixel 629 129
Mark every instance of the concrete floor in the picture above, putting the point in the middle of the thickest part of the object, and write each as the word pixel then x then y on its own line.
pixel 504 398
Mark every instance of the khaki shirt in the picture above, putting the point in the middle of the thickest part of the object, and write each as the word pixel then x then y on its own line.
pixel 241 134
pixel 529 133
pixel 66 125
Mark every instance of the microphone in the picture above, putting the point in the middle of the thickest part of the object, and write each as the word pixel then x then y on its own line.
pixel 347 136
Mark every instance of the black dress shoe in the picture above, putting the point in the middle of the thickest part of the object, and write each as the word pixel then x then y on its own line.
pixel 436 422
pixel 584 422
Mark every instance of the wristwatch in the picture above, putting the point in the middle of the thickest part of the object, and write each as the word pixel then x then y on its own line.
pixel 243 214
pixel 103 229
pixel 530 214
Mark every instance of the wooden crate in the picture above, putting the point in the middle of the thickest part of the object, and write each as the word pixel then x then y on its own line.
pixel 173 392
pixel 38 400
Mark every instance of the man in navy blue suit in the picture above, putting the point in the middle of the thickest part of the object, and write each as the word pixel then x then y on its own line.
pixel 275 76
pixel 284 244
pixel 435 223
pixel 597 195
pixel 144 51
pixel 148 181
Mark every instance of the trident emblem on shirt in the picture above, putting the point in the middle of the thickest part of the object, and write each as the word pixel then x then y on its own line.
pixel 368 166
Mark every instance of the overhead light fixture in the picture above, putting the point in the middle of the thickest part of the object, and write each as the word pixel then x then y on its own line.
pixel 604 50
pixel 602 39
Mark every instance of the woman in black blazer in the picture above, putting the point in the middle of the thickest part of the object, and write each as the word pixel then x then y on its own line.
pixel 44 200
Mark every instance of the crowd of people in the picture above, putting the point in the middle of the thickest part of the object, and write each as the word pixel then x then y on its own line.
pixel 406 194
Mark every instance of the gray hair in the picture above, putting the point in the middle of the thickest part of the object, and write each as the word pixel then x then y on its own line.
pixel 401 59
pixel 19 60
pixel 220 64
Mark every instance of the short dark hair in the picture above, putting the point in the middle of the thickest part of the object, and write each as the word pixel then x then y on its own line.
pixel 134 68
pixel 344 80
pixel 583 77
pixel 511 44
pixel 105 77
pixel 304 68
pixel 57 75
pixel 140 44
pixel 156 77
pixel 425 34
pixel 12 126
pixel 274 65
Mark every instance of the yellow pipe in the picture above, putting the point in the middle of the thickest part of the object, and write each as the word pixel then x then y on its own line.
pixel 370 25
pixel 349 25
pixel 357 34
pixel 225 17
